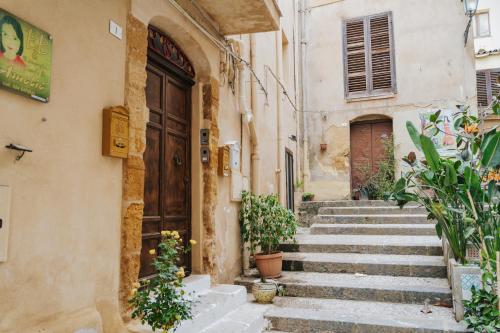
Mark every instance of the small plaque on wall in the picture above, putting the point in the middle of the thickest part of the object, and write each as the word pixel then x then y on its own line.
pixel 25 57
pixel 115 141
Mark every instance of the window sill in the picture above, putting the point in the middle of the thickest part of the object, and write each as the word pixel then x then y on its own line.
pixel 369 98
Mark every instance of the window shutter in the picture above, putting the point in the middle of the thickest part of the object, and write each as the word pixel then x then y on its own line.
pixel 482 89
pixel 355 58
pixel 381 53
pixel 369 56
pixel 487 86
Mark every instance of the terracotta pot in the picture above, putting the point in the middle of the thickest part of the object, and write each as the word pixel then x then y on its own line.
pixel 264 292
pixel 269 265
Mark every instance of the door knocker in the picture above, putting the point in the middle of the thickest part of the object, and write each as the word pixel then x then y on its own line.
pixel 177 159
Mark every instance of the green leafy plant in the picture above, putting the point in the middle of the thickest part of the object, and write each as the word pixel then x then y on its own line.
pixel 377 184
pixel 265 223
pixel 161 302
pixel 308 196
pixel 461 193
pixel 299 184
pixel 481 312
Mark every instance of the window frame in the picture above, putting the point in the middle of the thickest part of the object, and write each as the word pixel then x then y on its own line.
pixel 489 86
pixel 476 24
pixel 370 93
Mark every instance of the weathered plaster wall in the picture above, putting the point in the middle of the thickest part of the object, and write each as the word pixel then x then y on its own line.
pixel 436 72
pixel 62 272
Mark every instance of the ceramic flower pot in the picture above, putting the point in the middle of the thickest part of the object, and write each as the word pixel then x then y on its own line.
pixel 269 265
pixel 264 292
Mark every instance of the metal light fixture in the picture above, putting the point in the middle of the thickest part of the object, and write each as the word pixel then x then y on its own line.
pixel 470 8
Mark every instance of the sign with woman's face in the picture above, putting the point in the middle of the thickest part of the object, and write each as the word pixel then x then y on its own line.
pixel 25 57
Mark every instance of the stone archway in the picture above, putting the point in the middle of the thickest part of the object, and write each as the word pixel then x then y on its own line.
pixel 206 91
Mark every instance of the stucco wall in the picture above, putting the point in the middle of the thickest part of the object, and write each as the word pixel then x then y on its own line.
pixel 66 198
pixel 435 72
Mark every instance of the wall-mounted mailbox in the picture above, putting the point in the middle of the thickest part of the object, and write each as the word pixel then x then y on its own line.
pixel 4 221
pixel 205 154
pixel 204 136
pixel 115 141
pixel 224 168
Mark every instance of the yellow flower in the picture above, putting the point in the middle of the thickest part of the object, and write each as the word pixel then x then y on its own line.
pixel 471 129
pixel 136 285
pixel 175 233
pixel 133 291
pixel 193 242
pixel 177 236
pixel 152 251
pixel 178 317
pixel 165 233
pixel 180 273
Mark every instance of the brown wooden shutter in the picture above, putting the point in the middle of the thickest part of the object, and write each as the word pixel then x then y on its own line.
pixel 482 89
pixel 355 57
pixel 381 53
pixel 487 86
pixel 369 56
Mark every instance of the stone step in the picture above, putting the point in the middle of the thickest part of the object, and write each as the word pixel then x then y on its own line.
pixel 213 305
pixel 371 244
pixel 394 289
pixel 307 315
pixel 371 210
pixel 372 264
pixel 371 219
pixel 248 318
pixel 350 203
pixel 373 229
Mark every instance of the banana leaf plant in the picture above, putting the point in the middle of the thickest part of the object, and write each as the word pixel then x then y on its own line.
pixel 460 192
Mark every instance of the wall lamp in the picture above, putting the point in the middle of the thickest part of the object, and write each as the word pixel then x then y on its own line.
pixel 21 150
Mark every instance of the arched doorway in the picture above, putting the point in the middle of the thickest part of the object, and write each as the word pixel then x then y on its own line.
pixel 367 136
pixel 167 157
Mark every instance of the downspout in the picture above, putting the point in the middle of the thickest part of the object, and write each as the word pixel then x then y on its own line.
pixel 304 92
pixel 248 119
pixel 253 133
pixel 279 114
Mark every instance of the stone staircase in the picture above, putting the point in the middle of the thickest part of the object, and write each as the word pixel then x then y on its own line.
pixel 363 266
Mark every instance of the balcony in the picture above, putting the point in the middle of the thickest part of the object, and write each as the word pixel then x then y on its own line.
pixel 242 16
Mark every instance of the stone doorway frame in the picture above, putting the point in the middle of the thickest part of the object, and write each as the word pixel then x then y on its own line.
pixel 207 92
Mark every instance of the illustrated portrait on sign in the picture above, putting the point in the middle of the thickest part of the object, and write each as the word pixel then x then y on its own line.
pixel 11 41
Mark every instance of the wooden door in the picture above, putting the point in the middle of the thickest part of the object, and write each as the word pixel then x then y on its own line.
pixel 290 188
pixel 367 149
pixel 167 186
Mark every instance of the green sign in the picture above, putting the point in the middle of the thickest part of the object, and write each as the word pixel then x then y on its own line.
pixel 25 57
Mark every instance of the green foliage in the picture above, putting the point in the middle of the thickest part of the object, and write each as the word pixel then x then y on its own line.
pixel 299 184
pixel 376 185
pixel 265 222
pixel 462 194
pixel 481 312
pixel 308 196
pixel 161 302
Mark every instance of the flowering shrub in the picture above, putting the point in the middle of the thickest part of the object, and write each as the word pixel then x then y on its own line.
pixel 161 301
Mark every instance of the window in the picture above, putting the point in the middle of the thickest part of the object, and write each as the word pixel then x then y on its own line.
pixel 487 86
pixel 369 68
pixel 482 24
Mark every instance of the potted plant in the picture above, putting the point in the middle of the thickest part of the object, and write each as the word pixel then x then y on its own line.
pixel 265 290
pixel 265 224
pixel 308 196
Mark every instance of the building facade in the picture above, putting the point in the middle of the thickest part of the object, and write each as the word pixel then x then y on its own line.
pixel 366 76
pixel 209 89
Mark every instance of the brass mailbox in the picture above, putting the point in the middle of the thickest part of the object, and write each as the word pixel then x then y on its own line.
pixel 224 168
pixel 115 140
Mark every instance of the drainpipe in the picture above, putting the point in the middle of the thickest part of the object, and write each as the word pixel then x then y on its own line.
pixel 249 120
pixel 304 92
pixel 279 114
pixel 254 103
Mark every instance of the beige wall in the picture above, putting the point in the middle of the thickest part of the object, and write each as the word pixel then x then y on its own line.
pixel 66 197
pixel 435 72
pixel 63 270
